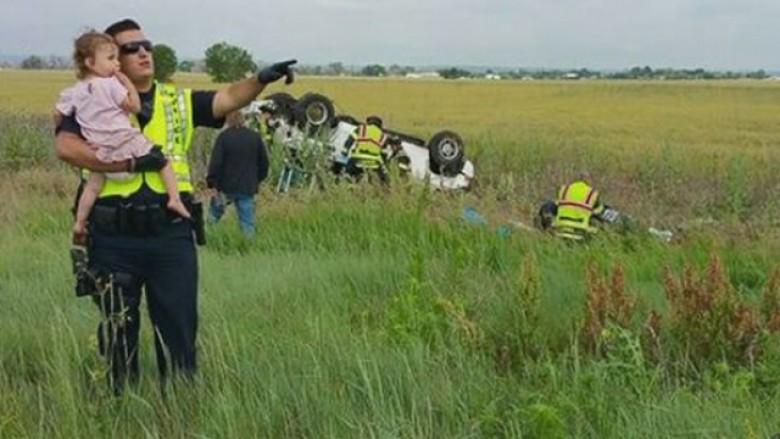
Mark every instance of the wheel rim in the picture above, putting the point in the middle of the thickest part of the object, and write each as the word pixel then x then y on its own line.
pixel 316 113
pixel 449 149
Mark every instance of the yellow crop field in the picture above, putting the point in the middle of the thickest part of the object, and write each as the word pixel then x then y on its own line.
pixel 663 149
pixel 621 116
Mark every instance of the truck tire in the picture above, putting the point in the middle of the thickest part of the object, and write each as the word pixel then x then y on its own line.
pixel 284 104
pixel 445 153
pixel 313 112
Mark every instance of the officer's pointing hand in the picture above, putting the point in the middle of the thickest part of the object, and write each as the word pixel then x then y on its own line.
pixel 274 72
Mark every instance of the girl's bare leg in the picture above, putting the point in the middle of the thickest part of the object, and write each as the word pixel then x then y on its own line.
pixel 86 201
pixel 174 200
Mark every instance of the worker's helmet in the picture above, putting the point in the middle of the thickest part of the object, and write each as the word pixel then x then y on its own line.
pixel 584 176
pixel 374 120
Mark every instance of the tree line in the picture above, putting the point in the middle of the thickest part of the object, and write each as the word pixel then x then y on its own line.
pixel 225 62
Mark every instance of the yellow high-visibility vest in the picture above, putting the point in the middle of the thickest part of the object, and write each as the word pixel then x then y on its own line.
pixel 171 127
pixel 576 205
pixel 367 149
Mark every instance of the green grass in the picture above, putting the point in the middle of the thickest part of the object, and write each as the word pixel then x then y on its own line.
pixel 385 315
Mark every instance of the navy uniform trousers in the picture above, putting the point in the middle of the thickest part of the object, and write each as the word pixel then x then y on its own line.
pixel 165 266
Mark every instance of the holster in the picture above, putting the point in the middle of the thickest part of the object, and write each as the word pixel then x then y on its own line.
pixel 198 222
pixel 86 279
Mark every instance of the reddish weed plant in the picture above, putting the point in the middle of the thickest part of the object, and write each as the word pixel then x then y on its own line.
pixel 607 305
pixel 708 320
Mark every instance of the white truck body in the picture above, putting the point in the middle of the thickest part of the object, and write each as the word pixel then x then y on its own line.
pixel 289 134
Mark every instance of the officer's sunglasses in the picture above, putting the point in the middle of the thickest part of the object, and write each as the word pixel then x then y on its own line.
pixel 134 46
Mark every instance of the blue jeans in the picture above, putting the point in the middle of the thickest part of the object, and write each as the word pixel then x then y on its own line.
pixel 245 205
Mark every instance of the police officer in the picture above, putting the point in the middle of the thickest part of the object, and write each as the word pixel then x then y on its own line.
pixel 365 150
pixel 131 235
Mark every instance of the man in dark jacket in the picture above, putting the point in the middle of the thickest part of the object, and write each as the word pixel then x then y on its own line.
pixel 239 162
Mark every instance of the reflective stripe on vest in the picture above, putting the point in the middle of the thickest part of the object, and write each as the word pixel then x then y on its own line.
pixel 369 140
pixel 575 207
pixel 171 127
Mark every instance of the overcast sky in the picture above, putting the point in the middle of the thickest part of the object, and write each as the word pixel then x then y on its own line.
pixel 714 34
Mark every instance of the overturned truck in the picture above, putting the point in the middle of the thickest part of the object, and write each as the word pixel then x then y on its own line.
pixel 310 123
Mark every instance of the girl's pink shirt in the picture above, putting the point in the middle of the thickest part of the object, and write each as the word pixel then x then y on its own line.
pixel 97 106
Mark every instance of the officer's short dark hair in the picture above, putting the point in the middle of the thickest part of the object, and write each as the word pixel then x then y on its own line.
pixel 122 26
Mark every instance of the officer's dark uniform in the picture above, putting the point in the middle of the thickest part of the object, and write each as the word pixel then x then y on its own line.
pixel 134 234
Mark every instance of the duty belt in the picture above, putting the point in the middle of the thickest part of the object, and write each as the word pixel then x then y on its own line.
pixel 131 219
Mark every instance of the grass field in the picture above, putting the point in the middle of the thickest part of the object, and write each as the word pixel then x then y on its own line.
pixel 371 314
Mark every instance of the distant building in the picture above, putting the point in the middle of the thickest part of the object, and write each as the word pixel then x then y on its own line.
pixel 571 75
pixel 492 76
pixel 423 75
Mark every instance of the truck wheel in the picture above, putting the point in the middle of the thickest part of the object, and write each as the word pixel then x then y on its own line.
pixel 445 153
pixel 314 111
pixel 284 104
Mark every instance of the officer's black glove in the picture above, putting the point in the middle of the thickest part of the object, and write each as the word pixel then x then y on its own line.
pixel 274 72
pixel 154 161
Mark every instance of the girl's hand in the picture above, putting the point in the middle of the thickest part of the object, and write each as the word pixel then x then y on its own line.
pixel 121 77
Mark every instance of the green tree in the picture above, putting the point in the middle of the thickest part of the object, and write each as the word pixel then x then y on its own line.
pixel 758 74
pixel 165 62
pixel 374 70
pixel 186 66
pixel 397 70
pixel 454 73
pixel 335 69
pixel 33 62
pixel 227 63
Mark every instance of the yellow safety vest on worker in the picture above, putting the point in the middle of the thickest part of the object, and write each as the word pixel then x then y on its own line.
pixel 170 127
pixel 265 132
pixel 259 125
pixel 367 149
pixel 577 203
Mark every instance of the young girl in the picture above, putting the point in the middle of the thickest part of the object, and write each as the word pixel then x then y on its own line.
pixel 101 103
